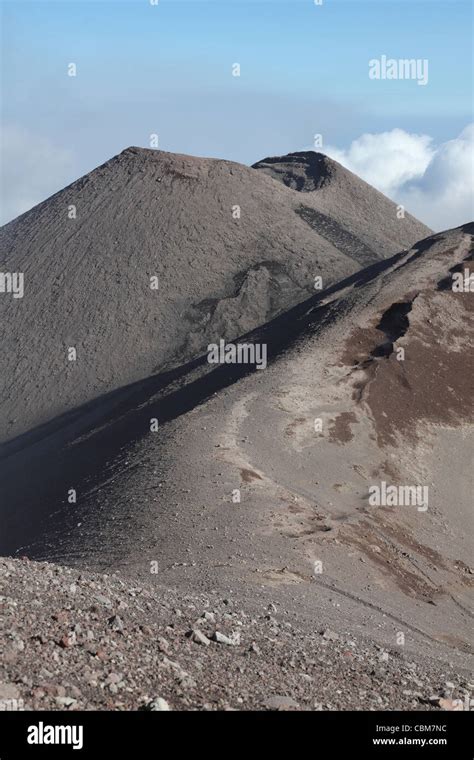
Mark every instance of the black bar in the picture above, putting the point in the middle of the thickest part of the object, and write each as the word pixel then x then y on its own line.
pixel 223 734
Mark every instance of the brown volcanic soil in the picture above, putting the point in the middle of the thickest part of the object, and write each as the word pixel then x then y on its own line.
pixel 148 213
pixel 434 382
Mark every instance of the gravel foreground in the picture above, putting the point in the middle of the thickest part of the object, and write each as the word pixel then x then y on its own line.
pixel 81 641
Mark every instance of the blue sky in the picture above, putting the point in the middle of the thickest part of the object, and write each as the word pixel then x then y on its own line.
pixel 167 69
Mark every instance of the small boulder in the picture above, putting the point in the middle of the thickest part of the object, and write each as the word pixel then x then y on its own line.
pixel 158 704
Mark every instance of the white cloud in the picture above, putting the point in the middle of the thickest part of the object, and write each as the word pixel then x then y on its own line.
pixel 32 168
pixel 434 183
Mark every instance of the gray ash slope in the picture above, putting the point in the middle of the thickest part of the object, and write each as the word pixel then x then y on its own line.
pixel 167 496
pixel 344 208
pixel 148 213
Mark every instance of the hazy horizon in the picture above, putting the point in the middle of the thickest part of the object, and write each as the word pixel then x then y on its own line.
pixel 134 77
